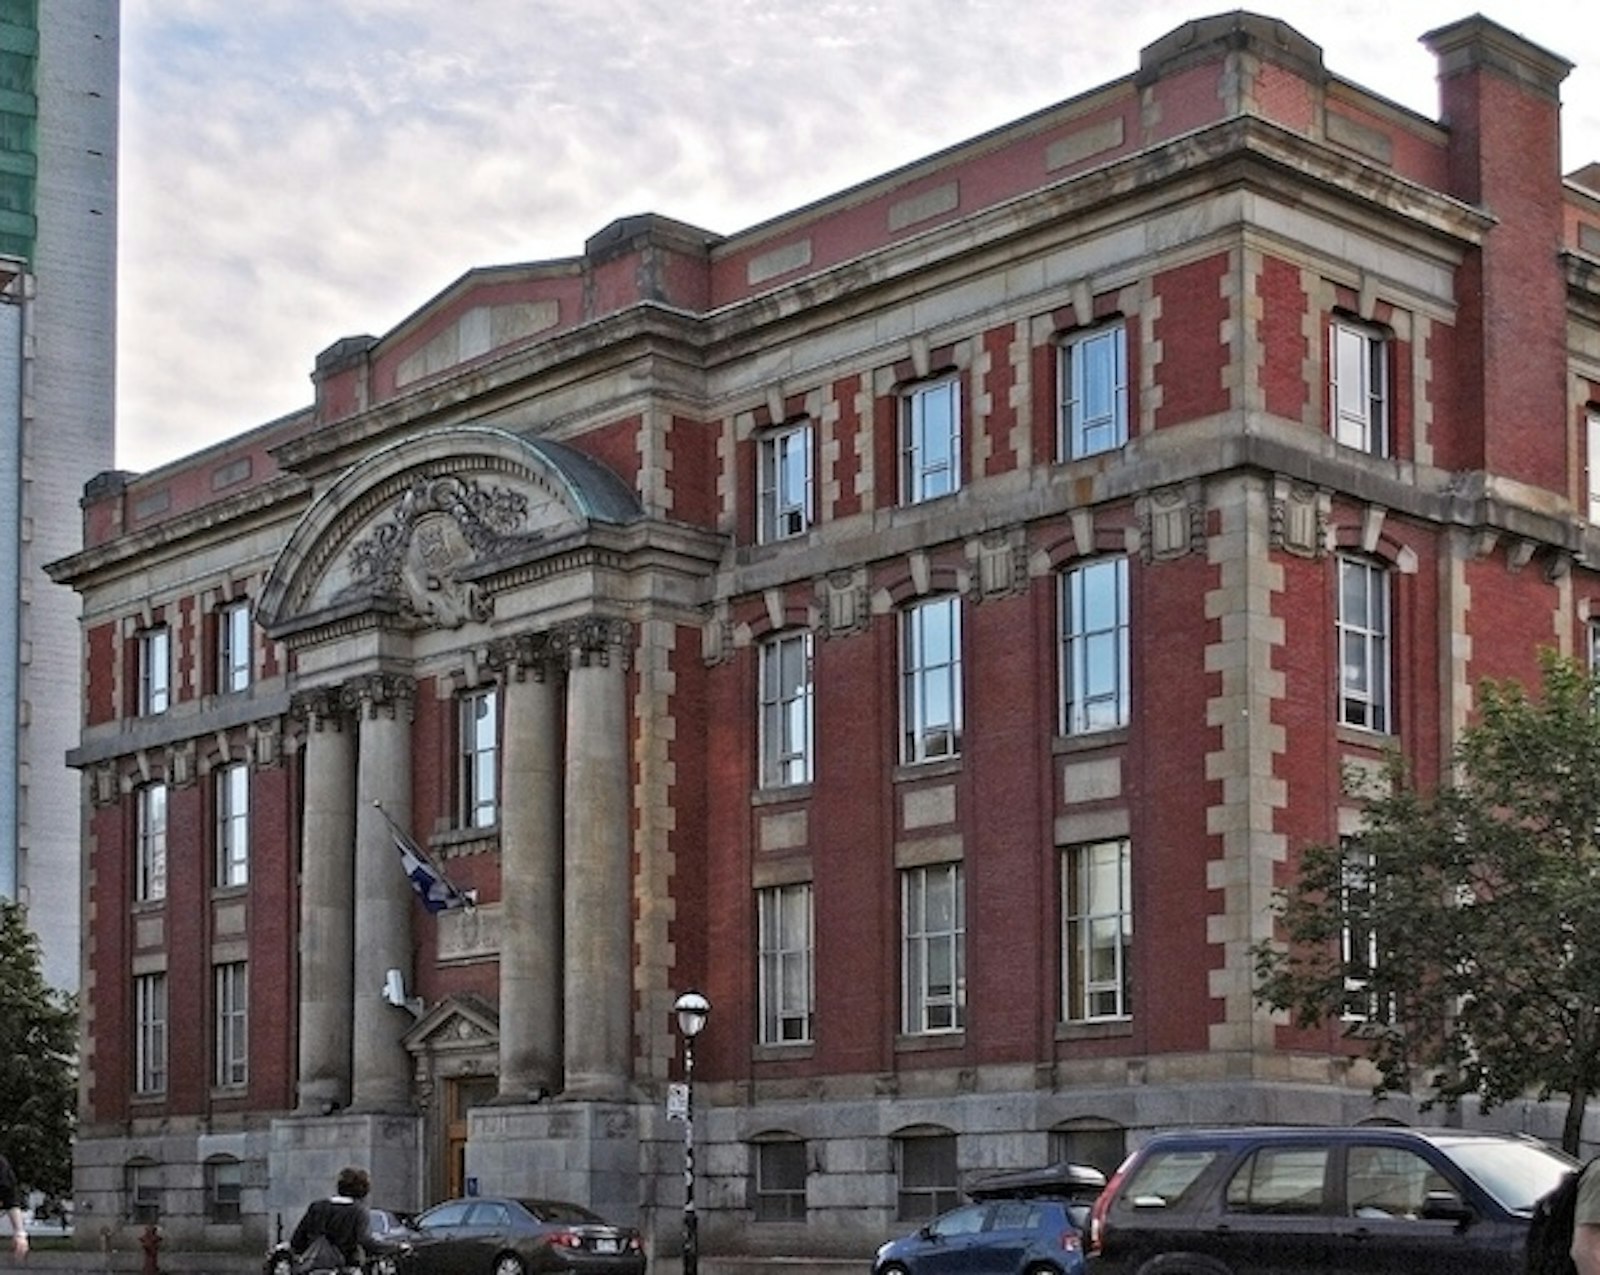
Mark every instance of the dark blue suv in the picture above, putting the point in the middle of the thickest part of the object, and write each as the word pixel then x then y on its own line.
pixel 1020 1223
pixel 1298 1201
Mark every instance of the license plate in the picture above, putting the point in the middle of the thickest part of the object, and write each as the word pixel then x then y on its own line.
pixel 606 1246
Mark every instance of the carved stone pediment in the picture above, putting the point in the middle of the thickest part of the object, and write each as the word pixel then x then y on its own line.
pixel 417 532
pixel 463 1023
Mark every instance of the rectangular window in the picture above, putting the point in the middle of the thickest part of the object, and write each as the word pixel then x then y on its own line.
pixel 930 708
pixel 786 984
pixel 150 850
pixel 934 950
pixel 930 441
pixel 785 482
pixel 927 1176
pixel 233 647
pixel 1093 393
pixel 232 1025
pixel 1363 645
pixel 786 698
pixel 1358 363
pixel 780 1181
pixel 1094 647
pixel 1358 933
pixel 1594 466
pixel 150 1032
pixel 232 784
pixel 1097 907
pixel 155 670
pixel 479 780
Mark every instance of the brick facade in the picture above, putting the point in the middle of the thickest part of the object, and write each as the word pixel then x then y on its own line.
pixel 1211 218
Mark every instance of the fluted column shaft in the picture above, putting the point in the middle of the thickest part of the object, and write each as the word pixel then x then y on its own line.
pixel 327 936
pixel 531 874
pixel 599 887
pixel 381 1068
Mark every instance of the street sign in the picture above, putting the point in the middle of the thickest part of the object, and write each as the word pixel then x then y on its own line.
pixel 677 1101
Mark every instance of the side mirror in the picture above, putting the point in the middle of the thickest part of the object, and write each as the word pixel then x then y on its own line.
pixel 1447 1206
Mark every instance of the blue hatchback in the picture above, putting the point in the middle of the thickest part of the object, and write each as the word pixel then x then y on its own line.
pixel 1022 1224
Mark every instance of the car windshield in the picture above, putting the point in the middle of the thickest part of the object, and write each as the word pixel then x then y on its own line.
pixel 1514 1172
pixel 561 1213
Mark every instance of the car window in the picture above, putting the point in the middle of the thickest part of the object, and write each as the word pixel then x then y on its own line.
pixel 1280 1180
pixel 560 1211
pixel 1516 1173
pixel 1163 1178
pixel 491 1213
pixel 963 1221
pixel 1388 1182
pixel 1016 1215
pixel 450 1214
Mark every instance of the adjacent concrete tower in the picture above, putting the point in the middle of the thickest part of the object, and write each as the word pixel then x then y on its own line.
pixel 58 224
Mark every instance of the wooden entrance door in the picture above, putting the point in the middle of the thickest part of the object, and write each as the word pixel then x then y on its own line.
pixel 462 1094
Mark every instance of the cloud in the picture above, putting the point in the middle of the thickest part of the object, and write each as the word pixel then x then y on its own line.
pixel 295 171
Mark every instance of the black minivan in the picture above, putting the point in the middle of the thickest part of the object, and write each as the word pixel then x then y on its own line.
pixel 1278 1201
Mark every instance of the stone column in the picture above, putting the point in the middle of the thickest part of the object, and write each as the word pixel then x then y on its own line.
pixel 381 1068
pixel 599 886
pixel 530 870
pixel 327 937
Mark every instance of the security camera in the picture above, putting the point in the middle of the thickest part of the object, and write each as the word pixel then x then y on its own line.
pixel 394 991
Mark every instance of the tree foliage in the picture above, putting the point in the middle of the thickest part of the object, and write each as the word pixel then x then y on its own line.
pixel 38 1080
pixel 1459 935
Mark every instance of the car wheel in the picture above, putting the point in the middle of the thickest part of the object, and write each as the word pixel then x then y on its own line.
pixel 281 1266
pixel 509 1264
pixel 894 1268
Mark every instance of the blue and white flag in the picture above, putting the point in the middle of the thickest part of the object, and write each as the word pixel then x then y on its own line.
pixel 430 882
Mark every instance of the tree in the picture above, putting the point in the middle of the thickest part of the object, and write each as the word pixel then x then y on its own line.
pixel 38 1080
pixel 1458 936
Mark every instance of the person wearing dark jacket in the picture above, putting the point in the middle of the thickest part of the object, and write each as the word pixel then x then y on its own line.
pixel 344 1220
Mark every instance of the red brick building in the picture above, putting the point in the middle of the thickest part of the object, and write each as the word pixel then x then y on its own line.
pixel 929 624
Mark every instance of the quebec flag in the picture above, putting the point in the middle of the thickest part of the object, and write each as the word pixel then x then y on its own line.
pixel 431 885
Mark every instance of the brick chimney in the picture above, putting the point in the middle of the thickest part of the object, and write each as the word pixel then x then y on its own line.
pixel 1500 99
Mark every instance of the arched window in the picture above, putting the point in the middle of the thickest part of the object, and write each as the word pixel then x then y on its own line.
pixel 224 1187
pixel 778 1178
pixel 925 1171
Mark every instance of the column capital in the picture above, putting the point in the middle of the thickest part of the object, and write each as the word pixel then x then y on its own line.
pixel 386 695
pixel 319 708
pixel 595 641
pixel 538 656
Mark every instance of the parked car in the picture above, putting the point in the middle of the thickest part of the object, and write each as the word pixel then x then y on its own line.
pixel 485 1235
pixel 1288 1200
pixel 1024 1222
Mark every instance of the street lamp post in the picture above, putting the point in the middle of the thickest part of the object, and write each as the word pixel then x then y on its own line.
pixel 693 1009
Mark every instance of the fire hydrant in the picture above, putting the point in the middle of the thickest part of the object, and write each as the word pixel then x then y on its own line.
pixel 150 1242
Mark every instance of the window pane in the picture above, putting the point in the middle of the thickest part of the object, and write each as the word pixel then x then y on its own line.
pixel 1094 393
pixel 479 779
pixel 1098 934
pixel 785 964
pixel 1095 631
pixel 786 710
pixel 931 693
pixel 233 825
pixel 934 949
pixel 931 441
pixel 785 483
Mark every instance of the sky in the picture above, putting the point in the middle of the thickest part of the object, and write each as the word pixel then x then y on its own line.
pixel 297 171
